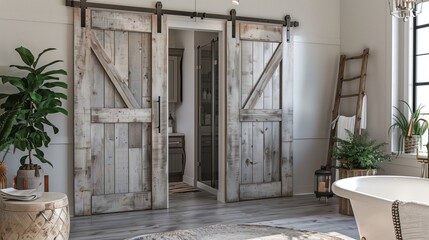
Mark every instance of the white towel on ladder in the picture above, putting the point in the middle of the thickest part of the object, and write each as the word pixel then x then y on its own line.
pixel 345 123
pixel 363 114
pixel 348 123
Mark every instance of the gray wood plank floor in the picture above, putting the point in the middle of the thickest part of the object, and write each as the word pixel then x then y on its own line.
pixel 197 209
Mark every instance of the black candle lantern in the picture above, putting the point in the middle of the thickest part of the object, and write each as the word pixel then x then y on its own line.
pixel 322 183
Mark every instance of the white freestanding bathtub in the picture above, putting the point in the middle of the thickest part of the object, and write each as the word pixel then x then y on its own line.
pixel 372 197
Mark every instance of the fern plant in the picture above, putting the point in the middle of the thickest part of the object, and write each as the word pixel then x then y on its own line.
pixel 26 110
pixel 359 152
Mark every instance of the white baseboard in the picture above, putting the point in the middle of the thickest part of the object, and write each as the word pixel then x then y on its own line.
pixel 206 188
pixel 188 180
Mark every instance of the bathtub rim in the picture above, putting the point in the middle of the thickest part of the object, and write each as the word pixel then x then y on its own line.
pixel 340 190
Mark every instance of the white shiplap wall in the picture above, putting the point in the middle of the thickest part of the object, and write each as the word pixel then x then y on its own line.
pixel 48 23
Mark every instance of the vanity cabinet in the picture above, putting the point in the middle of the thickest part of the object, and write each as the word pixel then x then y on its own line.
pixel 176 156
pixel 175 56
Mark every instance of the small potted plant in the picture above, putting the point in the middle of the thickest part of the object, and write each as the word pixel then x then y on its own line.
pixel 30 106
pixel 359 155
pixel 410 128
pixel 359 152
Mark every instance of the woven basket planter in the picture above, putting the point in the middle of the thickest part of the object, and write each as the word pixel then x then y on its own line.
pixel 411 144
pixel 345 206
pixel 3 176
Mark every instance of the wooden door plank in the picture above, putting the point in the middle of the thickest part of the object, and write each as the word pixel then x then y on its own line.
pixel 260 115
pixel 287 118
pixel 121 115
pixel 117 79
pixel 246 127
pixel 109 128
pixel 147 103
pixel 262 33
pixel 264 78
pixel 121 202
pixel 258 127
pixel 268 126
pixel 276 153
pixel 233 99
pixel 135 176
pixel 260 190
pixel 159 135
pixel 121 158
pixel 135 84
pixel 121 21
pixel 97 130
pixel 276 82
pixel 83 187
pixel 121 129
pixel 97 96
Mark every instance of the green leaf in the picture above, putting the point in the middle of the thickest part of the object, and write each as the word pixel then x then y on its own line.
pixel 15 81
pixel 42 68
pixel 43 159
pixel 35 96
pixel 23 68
pixel 36 139
pixel 60 71
pixel 20 144
pixel 55 129
pixel 60 95
pixel 56 84
pixel 40 54
pixel 26 55
pixel 62 110
pixel 40 152
pixel 22 160
pixel 6 79
pixel 7 120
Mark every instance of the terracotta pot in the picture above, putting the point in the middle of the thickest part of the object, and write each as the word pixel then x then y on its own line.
pixel 3 176
pixel 27 179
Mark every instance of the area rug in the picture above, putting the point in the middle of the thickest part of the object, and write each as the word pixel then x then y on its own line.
pixel 238 232
pixel 181 187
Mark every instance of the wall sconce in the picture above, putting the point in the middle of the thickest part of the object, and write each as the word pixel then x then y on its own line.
pixel 404 9
pixel 236 2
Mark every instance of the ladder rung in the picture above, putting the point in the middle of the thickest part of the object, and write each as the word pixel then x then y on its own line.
pixel 350 79
pixel 349 95
pixel 355 57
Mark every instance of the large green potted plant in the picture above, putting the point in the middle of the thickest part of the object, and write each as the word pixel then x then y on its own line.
pixel 410 128
pixel 359 155
pixel 28 108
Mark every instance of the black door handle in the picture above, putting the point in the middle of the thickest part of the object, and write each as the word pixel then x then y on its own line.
pixel 159 114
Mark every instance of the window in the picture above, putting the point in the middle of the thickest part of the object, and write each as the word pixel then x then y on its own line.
pixel 421 60
pixel 421 65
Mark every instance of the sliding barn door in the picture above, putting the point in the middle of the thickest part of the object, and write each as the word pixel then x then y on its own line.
pixel 259 112
pixel 120 99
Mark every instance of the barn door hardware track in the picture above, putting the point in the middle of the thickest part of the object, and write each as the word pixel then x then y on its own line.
pixel 158 10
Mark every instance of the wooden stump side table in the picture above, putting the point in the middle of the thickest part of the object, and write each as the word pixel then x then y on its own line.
pixel 44 218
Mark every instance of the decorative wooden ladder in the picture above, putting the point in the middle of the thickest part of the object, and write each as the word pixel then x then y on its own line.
pixel 338 96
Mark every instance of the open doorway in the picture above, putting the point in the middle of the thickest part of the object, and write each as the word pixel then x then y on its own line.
pixel 193 109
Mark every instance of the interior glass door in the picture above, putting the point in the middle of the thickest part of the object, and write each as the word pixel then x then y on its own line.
pixel 208 113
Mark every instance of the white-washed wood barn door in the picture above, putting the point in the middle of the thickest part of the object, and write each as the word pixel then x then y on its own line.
pixel 120 110
pixel 259 112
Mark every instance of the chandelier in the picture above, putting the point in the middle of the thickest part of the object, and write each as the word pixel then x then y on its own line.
pixel 404 9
